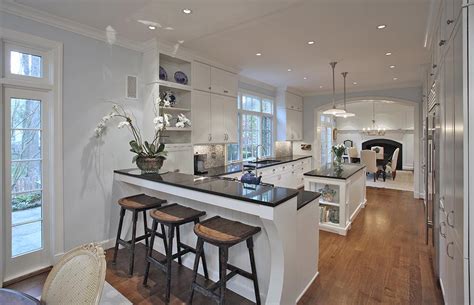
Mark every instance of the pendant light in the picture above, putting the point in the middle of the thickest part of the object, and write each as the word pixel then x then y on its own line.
pixel 333 110
pixel 345 114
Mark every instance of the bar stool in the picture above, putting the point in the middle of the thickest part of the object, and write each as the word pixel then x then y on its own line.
pixel 224 233
pixel 173 216
pixel 135 204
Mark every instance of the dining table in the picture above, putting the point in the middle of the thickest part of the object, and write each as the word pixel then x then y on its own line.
pixel 13 297
pixel 382 162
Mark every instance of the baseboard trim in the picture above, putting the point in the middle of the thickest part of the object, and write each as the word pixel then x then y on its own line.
pixel 26 276
pixel 307 287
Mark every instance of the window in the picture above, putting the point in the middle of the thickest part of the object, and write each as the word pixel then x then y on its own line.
pixel 26 64
pixel 327 125
pixel 255 128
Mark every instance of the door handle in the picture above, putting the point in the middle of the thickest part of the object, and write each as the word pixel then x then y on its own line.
pixel 441 204
pixel 226 91
pixel 442 43
pixel 209 137
pixel 447 219
pixel 447 250
pixel 449 21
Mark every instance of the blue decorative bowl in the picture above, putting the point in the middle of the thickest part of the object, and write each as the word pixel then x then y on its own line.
pixel 181 78
pixel 163 74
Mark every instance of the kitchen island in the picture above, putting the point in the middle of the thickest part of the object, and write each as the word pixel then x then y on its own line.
pixel 286 249
pixel 343 194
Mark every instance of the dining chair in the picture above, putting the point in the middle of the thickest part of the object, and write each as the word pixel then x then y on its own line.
pixel 392 165
pixel 353 153
pixel 369 159
pixel 379 154
pixel 78 278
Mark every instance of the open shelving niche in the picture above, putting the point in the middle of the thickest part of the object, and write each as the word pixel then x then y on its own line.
pixel 183 94
pixel 329 213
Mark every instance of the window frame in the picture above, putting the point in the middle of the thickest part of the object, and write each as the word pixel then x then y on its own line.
pixel 46 77
pixel 261 115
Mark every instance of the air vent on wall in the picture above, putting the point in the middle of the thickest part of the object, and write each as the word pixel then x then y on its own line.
pixel 132 87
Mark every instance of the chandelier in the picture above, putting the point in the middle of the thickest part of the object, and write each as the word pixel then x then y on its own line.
pixel 374 130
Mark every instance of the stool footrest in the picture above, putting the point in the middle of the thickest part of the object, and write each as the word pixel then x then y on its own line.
pixel 206 292
pixel 218 283
pixel 156 262
pixel 240 271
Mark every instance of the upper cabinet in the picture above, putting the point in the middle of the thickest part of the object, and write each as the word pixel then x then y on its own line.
pixel 293 101
pixel 289 116
pixel 214 80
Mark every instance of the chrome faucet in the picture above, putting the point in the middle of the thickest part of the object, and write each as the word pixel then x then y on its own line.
pixel 256 156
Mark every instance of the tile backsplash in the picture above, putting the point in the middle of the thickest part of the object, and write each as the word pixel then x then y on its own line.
pixel 215 154
pixel 283 149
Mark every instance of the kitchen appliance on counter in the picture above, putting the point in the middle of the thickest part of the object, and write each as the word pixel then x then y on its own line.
pixel 199 164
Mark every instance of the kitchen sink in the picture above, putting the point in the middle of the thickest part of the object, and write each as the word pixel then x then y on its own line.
pixel 265 161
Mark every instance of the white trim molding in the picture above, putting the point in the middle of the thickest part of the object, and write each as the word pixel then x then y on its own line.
pixel 65 24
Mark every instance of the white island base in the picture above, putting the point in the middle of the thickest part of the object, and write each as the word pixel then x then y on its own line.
pixel 286 250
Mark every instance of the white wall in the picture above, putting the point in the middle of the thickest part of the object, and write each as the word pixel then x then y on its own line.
pixel 93 73
pixel 392 116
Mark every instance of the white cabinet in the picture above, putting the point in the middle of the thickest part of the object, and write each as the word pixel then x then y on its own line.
pixel 293 101
pixel 294 125
pixel 201 76
pixel 211 79
pixel 214 118
pixel 223 82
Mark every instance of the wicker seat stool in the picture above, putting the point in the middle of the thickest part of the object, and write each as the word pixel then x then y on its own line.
pixel 135 204
pixel 172 216
pixel 224 233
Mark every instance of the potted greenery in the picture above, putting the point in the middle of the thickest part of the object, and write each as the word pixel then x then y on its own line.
pixel 149 156
pixel 338 151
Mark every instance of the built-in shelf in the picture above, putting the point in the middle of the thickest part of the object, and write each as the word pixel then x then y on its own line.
pixel 324 202
pixel 178 129
pixel 174 86
pixel 175 109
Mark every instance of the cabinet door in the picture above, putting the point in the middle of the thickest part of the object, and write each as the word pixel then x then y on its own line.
pixel 293 101
pixel 448 170
pixel 223 82
pixel 201 114
pixel 294 125
pixel 458 136
pixel 217 118
pixel 231 119
pixel 449 20
pixel 201 76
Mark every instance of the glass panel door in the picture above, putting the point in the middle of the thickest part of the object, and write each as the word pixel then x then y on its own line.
pixel 26 199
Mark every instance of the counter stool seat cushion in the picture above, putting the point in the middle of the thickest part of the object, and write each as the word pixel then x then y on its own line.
pixel 141 202
pixel 175 214
pixel 218 230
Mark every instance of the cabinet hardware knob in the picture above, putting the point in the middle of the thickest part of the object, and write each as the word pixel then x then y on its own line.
pixel 225 91
pixel 435 66
pixel 447 219
pixel 442 225
pixel 449 21
pixel 447 250
pixel 442 42
pixel 209 88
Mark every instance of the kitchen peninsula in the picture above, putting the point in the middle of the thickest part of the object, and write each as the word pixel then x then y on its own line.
pixel 287 247
pixel 343 194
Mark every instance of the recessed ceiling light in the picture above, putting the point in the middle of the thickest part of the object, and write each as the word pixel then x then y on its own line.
pixel 152 27
pixel 392 67
pixel 388 53
pixel 169 28
pixel 259 54
pixel 310 42
pixel 381 26
pixel 289 70
pixel 354 83
pixel 395 78
pixel 305 77
pixel 321 87
pixel 180 41
pixel 187 11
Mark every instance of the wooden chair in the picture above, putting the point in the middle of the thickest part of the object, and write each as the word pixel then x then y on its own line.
pixel 224 233
pixel 368 158
pixel 392 166
pixel 78 278
pixel 380 153
pixel 172 216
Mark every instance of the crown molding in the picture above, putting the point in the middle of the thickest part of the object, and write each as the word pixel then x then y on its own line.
pixel 374 88
pixel 64 24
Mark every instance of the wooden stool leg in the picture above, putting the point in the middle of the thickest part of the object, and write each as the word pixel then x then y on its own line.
pixel 199 248
pixel 150 251
pixel 145 228
pixel 119 232
pixel 169 260
pixel 178 246
pixel 254 270
pixel 132 245
pixel 223 257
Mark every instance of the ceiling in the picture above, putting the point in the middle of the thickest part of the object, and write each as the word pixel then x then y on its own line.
pixel 233 31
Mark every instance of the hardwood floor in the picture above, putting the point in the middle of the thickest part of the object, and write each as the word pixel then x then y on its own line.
pixel 383 260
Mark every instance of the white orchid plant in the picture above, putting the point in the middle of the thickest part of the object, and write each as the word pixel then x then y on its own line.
pixel 145 149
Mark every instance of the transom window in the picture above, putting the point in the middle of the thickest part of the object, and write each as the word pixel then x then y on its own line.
pixel 26 63
pixel 255 128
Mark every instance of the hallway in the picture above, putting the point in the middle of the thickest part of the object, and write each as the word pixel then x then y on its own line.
pixel 383 259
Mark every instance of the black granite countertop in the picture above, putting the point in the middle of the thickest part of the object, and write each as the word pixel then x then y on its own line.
pixel 238 166
pixel 259 194
pixel 305 197
pixel 343 171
